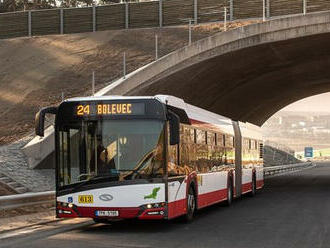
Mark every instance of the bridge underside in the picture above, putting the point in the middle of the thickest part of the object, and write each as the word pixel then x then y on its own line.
pixel 253 83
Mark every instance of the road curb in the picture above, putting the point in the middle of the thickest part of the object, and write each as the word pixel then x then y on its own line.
pixel 35 224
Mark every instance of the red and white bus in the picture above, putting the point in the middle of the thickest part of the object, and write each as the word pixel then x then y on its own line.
pixel 154 157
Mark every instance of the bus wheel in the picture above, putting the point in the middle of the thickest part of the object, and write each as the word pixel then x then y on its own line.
pixel 254 186
pixel 230 193
pixel 191 205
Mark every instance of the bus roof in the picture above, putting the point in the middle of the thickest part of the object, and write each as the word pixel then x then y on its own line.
pixel 114 97
pixel 199 115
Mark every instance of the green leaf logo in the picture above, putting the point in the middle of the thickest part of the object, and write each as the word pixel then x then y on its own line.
pixel 153 195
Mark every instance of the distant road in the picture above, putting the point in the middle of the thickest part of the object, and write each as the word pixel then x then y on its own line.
pixel 292 211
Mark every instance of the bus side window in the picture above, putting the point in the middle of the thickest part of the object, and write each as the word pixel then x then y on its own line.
pixel 173 154
pixel 172 163
pixel 200 137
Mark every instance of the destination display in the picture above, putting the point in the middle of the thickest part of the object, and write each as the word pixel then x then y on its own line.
pixel 109 109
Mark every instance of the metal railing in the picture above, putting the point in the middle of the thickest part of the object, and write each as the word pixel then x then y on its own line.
pixel 272 170
pixel 26 199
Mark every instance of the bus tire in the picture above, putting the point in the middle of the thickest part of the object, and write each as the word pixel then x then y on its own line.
pixel 254 186
pixel 230 192
pixel 191 205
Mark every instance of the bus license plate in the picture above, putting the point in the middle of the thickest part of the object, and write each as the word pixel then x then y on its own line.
pixel 85 199
pixel 107 213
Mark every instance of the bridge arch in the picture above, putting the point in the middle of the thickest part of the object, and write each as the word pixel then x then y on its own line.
pixel 246 74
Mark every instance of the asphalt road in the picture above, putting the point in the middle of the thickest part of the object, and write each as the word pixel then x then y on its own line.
pixel 291 211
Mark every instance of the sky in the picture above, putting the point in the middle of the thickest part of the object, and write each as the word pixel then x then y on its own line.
pixel 318 103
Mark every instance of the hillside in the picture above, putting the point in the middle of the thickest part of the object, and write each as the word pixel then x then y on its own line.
pixel 35 71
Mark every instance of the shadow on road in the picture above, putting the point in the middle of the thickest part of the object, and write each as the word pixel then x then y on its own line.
pixel 150 226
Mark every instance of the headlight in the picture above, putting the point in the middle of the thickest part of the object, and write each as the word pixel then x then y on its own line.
pixel 65 204
pixel 154 205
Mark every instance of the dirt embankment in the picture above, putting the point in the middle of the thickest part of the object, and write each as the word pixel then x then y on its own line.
pixel 35 71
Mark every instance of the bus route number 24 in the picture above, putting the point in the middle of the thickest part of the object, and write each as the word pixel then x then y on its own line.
pixel 83 110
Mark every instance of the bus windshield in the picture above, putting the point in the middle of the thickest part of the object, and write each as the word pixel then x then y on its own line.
pixel 115 149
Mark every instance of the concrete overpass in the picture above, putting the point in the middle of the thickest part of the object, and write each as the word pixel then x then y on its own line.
pixel 247 74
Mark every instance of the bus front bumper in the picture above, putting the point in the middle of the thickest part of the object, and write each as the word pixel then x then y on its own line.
pixel 143 213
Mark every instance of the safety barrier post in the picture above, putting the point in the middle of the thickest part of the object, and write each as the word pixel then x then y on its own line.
pixel 189 32
pixel 29 23
pixel 156 47
pixel 93 83
pixel 268 9
pixel 124 65
pixel 126 15
pixel 61 22
pixel 264 10
pixel 225 19
pixel 231 10
pixel 160 9
pixel 94 18
pixel 195 11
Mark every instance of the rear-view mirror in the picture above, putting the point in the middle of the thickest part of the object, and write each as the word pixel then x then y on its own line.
pixel 40 119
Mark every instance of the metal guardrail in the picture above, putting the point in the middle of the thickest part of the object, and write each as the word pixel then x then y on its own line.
pixel 272 170
pixel 26 199
pixel 48 197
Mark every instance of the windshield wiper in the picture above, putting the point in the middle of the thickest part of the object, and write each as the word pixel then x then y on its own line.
pixel 133 172
pixel 139 166
pixel 91 178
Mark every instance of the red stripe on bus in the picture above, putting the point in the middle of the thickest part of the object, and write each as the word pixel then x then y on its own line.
pixel 177 208
pixel 90 212
pixel 210 198
pixel 260 184
pixel 246 187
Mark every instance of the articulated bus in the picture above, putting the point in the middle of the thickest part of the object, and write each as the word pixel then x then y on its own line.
pixel 154 157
